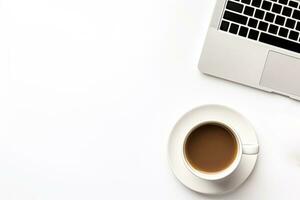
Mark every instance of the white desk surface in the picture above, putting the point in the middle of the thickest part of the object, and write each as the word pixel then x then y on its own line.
pixel 90 90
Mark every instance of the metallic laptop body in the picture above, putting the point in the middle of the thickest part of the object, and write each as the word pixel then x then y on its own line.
pixel 255 43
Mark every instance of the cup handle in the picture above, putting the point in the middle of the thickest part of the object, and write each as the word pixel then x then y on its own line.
pixel 250 149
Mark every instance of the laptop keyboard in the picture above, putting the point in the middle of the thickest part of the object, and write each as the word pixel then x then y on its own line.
pixel 273 22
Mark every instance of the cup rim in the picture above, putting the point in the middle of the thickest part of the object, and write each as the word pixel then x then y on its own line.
pixel 222 173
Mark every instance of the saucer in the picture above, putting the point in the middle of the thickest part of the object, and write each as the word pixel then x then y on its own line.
pixel 190 120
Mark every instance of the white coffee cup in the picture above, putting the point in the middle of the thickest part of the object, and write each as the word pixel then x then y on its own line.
pixel 246 149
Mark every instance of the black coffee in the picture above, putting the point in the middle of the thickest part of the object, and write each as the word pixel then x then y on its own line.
pixel 211 148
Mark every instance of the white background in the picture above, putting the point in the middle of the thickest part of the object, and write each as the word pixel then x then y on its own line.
pixel 90 90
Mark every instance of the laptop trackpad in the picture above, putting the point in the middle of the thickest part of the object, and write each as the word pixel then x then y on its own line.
pixel 281 73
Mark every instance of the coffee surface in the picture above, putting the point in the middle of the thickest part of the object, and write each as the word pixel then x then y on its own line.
pixel 211 148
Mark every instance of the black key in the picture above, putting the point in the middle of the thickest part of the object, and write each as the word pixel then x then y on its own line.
pixel 290 23
pixel 274 0
pixel 294 35
pixel 224 26
pixel 296 14
pixel 259 14
pixel 279 20
pixel 252 23
pixel 266 5
pixel 249 11
pixel 246 1
pixel 283 2
pixel 263 26
pixel 269 17
pixel 283 32
pixel 243 31
pixel 287 11
pixel 279 42
pixel 256 3
pixel 253 34
pixel 273 29
pixel 276 8
pixel 235 17
pixel 234 6
pixel 234 28
pixel 298 26
pixel 293 4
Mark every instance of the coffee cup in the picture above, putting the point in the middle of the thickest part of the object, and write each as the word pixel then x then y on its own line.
pixel 212 150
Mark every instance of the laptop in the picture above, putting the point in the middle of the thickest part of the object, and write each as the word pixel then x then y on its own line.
pixel 255 43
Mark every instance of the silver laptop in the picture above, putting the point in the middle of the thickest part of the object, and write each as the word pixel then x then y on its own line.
pixel 255 43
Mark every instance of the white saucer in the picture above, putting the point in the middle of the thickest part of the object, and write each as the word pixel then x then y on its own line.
pixel 189 121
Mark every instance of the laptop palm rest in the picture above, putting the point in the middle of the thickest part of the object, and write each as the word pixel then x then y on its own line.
pixel 281 73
